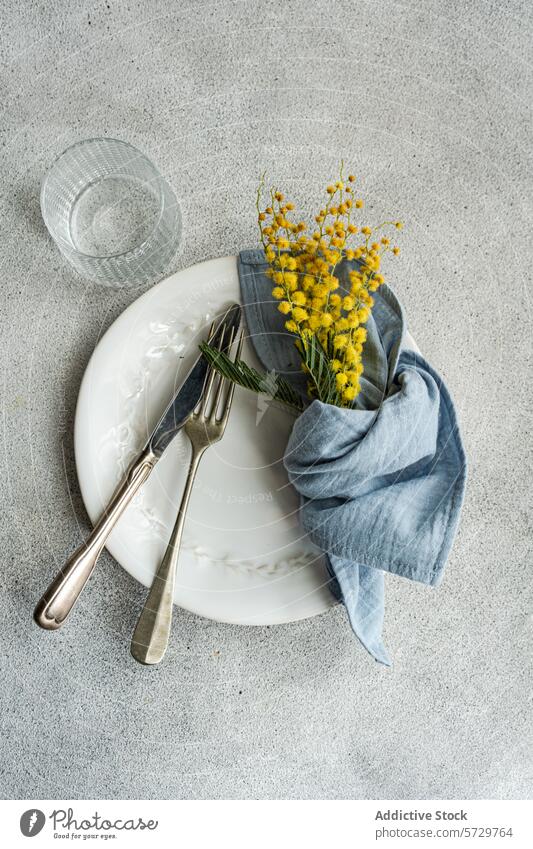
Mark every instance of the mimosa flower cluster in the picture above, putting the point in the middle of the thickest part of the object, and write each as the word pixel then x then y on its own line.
pixel 328 322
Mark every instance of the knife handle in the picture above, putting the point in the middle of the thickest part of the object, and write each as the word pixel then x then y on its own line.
pixel 62 594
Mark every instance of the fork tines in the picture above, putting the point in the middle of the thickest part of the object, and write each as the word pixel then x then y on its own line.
pixel 216 385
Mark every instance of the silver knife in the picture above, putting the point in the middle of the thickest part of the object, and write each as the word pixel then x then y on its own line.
pixel 62 594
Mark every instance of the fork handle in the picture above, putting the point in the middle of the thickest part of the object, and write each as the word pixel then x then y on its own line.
pixel 150 638
pixel 64 591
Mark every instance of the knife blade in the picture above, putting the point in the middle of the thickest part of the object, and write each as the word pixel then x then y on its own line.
pixel 62 594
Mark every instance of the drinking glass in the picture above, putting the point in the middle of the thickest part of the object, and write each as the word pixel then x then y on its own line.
pixel 110 212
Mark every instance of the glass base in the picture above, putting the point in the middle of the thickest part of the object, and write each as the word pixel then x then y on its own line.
pixel 113 216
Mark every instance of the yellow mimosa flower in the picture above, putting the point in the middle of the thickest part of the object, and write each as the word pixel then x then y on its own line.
pixel 306 274
pixel 299 314
pixel 341 380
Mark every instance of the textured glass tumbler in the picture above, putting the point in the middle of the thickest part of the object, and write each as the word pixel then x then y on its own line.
pixel 110 212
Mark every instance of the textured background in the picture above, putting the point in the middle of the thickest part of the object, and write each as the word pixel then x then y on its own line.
pixel 428 103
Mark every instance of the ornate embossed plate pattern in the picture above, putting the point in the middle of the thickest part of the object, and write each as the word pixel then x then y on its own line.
pixel 244 557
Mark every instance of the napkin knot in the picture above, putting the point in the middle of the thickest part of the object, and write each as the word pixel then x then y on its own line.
pixel 381 484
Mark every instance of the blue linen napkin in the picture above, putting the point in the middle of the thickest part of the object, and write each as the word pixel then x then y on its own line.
pixel 382 484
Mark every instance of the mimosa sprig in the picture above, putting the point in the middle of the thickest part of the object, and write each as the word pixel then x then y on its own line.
pixel 328 324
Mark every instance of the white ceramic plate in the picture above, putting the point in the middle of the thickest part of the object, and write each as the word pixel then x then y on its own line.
pixel 244 558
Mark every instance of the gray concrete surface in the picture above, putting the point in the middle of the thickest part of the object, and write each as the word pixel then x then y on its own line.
pixel 428 103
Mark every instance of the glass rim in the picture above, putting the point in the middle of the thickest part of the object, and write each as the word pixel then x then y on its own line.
pixel 60 240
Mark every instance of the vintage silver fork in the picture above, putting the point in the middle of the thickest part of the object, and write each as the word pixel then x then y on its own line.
pixel 205 426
